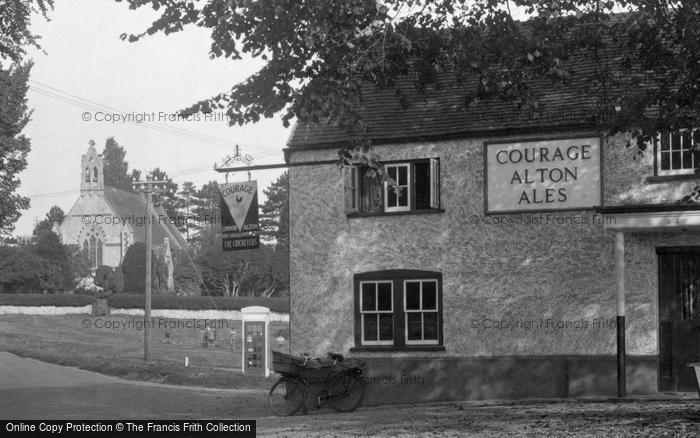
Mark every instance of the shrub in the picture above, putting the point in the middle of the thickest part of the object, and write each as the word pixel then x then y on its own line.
pixel 130 301
pixel 134 268
pixel 111 280
pixel 58 300
pixel 21 271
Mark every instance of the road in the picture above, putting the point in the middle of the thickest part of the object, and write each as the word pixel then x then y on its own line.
pixel 30 389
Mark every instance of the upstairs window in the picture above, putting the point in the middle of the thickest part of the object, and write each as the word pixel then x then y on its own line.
pixel 673 152
pixel 415 186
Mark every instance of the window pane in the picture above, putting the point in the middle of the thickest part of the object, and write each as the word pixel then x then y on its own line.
pixel 429 296
pixel 386 327
pixel 665 160
pixel 430 325
pixel 370 327
pixel 391 171
pixel 412 295
pixel 403 176
pixel 675 160
pixel 371 192
pixel 391 197
pixel 675 141
pixel 369 291
pixel 415 327
pixel 664 142
pixel 686 140
pixel 687 160
pixel 422 184
pixel 403 197
pixel 384 296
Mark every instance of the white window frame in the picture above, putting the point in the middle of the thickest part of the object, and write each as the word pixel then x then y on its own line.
pixel 377 313
pixel 351 194
pixel 422 311
pixel 434 183
pixel 406 187
pixel 352 190
pixel 681 171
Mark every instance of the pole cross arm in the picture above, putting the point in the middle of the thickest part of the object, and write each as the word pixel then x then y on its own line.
pixel 151 186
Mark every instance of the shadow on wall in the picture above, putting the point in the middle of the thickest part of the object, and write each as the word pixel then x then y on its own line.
pixel 407 380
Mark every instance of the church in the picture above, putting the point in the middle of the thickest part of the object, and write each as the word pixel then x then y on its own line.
pixel 105 221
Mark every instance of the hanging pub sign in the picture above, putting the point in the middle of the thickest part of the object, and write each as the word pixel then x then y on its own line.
pixel 239 216
pixel 544 175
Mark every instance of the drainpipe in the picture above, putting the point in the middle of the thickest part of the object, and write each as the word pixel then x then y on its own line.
pixel 620 282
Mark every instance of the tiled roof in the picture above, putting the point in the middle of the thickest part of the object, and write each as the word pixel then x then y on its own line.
pixel 128 204
pixel 442 112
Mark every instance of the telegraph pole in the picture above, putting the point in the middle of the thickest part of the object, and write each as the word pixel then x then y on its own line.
pixel 148 187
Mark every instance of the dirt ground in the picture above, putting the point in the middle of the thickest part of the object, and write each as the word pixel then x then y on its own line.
pixel 31 389
pixel 636 418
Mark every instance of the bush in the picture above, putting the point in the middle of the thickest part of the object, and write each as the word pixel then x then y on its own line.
pixel 111 280
pixel 22 271
pixel 58 300
pixel 134 268
pixel 130 301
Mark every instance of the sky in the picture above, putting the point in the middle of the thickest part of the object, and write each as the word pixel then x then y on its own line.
pixel 88 72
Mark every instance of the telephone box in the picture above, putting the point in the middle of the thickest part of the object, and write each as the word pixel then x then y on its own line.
pixel 255 333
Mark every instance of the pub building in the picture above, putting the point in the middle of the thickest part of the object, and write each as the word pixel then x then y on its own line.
pixel 503 264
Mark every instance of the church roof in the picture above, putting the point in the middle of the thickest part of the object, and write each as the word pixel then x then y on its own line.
pixel 127 204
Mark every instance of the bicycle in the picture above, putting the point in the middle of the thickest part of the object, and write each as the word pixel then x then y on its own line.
pixel 340 383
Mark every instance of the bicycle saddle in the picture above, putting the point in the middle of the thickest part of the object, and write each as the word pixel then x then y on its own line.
pixel 336 357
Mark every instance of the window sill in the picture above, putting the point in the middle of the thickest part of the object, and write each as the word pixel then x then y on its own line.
pixel 666 178
pixel 395 213
pixel 390 348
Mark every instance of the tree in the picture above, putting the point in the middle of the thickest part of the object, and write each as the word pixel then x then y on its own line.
pixel 110 279
pixel 115 168
pixel 133 269
pixel 274 217
pixel 15 36
pixel 22 271
pixel 57 256
pixel 184 204
pixel 55 214
pixel 640 69
pixel 167 199
pixel 15 19
pixel 14 146
pixel 205 206
pixel 257 272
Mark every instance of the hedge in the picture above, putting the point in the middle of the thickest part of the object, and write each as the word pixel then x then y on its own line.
pixel 58 300
pixel 130 301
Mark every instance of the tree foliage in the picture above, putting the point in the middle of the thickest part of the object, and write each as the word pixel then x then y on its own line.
pixel 15 19
pixel 115 167
pixel 258 272
pixel 320 55
pixel 274 213
pixel 133 268
pixel 14 146
pixel 55 214
pixel 110 279
pixel 23 271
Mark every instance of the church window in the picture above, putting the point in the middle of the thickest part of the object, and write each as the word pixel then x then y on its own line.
pixel 93 253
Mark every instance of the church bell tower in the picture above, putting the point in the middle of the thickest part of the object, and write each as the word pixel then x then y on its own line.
pixel 92 167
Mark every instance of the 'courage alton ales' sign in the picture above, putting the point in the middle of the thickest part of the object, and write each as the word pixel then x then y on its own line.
pixel 543 175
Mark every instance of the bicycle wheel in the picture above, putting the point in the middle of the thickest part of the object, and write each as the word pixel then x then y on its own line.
pixel 346 391
pixel 286 396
